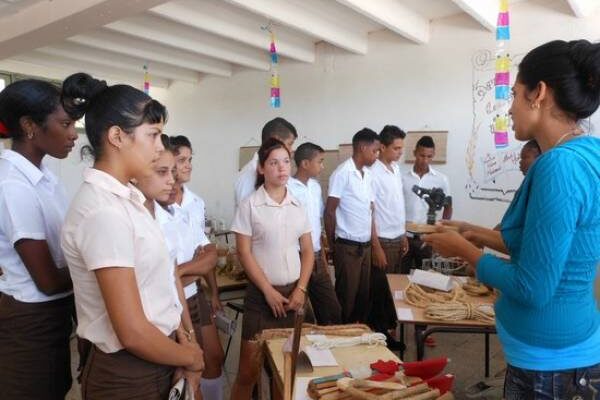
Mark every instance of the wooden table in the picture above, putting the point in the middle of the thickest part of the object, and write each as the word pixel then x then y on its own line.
pixel 425 327
pixel 346 357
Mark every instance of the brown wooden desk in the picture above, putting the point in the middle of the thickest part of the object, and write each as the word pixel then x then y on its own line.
pixel 346 357
pixel 425 327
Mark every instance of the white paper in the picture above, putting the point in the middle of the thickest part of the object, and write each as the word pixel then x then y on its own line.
pixel 320 358
pixel 433 280
pixel 404 314
pixel 300 388
pixel 315 338
pixel 398 294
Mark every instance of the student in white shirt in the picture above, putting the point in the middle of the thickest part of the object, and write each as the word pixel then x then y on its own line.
pixel 199 259
pixel 309 159
pixel 350 227
pixel 121 270
pixel 269 226
pixel 422 175
pixel 36 301
pixel 277 128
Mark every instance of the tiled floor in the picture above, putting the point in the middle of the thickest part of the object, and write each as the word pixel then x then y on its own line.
pixel 466 352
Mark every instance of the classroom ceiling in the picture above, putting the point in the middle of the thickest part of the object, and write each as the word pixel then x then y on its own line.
pixel 185 40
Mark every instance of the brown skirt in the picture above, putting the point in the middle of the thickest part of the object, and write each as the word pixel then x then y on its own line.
pixel 35 359
pixel 201 313
pixel 123 376
pixel 258 314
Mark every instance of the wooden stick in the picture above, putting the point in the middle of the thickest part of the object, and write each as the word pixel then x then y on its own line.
pixel 431 395
pixel 363 383
pixel 405 393
pixel 345 384
pixel 287 376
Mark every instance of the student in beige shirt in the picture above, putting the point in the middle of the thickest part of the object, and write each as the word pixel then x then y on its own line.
pixel 269 225
pixel 122 275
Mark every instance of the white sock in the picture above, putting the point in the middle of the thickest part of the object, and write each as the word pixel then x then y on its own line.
pixel 212 389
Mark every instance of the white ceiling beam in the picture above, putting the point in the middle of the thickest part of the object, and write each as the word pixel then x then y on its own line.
pixel 57 67
pixel 47 22
pixel 230 22
pixel 172 34
pixel 394 16
pixel 297 17
pixel 127 63
pixel 105 39
pixel 584 8
pixel 483 11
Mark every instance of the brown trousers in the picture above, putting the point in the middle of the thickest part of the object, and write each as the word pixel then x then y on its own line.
pixel 416 253
pixel 322 294
pixel 35 359
pixel 123 376
pixel 352 280
pixel 393 253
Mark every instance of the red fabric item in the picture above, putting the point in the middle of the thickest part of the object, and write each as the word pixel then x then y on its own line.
pixel 442 382
pixel 425 369
pixel 380 377
pixel 386 367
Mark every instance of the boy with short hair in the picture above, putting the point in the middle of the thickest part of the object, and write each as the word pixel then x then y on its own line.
pixel 304 187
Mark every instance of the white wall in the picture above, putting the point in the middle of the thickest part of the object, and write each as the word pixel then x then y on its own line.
pixel 413 86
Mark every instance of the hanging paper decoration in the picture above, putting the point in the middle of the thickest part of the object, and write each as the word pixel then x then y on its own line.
pixel 502 77
pixel 275 89
pixel 146 79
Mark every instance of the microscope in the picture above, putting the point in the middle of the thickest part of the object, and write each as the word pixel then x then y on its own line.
pixel 435 198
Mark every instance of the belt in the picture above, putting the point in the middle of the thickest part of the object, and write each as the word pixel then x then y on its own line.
pixel 385 240
pixel 352 242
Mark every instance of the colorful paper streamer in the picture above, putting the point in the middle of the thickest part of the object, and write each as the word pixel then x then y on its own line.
pixel 502 77
pixel 146 80
pixel 275 88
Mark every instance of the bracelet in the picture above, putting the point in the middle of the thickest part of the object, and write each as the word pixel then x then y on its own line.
pixel 188 334
pixel 302 288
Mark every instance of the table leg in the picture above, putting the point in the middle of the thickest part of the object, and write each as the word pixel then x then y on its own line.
pixel 401 338
pixel 487 355
pixel 420 336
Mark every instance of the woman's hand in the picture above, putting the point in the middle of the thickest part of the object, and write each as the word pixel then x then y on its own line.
pixel 296 300
pixel 197 364
pixel 277 302
pixel 460 226
pixel 403 246
pixel 452 244
pixel 475 238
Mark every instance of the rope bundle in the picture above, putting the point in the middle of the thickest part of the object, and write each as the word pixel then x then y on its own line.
pixel 371 339
pixel 475 288
pixel 452 306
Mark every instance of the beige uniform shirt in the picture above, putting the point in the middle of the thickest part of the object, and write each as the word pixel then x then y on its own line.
pixel 275 230
pixel 107 225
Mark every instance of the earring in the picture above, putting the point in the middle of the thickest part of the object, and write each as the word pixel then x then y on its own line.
pixel 535 106
pixel 29 135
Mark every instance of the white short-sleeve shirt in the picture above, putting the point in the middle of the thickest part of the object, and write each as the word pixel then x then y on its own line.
pixel 416 207
pixel 32 206
pixel 310 197
pixel 107 225
pixel 275 230
pixel 246 180
pixel 389 200
pixel 354 214
pixel 181 238
pixel 192 211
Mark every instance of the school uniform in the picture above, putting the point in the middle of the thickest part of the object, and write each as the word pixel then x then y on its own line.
pixel 416 211
pixel 108 226
pixel 275 229
pixel 34 328
pixel 246 180
pixel 182 242
pixel 389 212
pixel 352 255
pixel 320 286
pixel 390 223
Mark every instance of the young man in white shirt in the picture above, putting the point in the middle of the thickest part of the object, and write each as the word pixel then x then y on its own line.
pixel 350 227
pixel 278 128
pixel 305 188
pixel 390 222
pixel 422 175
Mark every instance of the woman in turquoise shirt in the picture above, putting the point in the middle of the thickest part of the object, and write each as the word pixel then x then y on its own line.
pixel 546 314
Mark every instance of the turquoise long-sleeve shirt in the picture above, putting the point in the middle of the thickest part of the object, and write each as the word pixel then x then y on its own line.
pixel 552 232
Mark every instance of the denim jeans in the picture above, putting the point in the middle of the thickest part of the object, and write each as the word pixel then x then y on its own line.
pixel 572 384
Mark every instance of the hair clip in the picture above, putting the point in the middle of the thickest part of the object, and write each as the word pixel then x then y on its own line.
pixel 79 101
pixel 3 130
